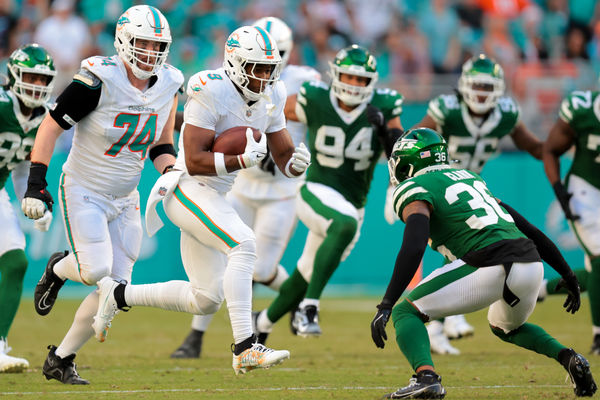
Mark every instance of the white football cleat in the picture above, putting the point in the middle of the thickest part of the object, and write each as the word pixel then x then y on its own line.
pixel 438 341
pixel 456 327
pixel 107 307
pixel 8 363
pixel 258 356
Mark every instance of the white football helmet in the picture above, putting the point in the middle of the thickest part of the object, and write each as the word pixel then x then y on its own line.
pixel 481 83
pixel 142 23
pixel 281 33
pixel 245 48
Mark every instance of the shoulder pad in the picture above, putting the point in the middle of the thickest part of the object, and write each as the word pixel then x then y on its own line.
pixel 87 78
pixel 389 101
pixel 508 105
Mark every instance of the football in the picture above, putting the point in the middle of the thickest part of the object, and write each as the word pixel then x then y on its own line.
pixel 233 140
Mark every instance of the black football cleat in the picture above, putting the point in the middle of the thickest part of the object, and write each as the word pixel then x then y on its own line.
pixel 595 350
pixel 579 372
pixel 191 346
pixel 424 385
pixel 46 290
pixel 62 369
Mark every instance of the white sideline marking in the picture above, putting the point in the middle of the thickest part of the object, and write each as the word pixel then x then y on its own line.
pixel 271 389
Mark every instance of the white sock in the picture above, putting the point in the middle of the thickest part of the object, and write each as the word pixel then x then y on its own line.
pixel 201 322
pixel 171 295
pixel 309 302
pixel 67 268
pixel 81 329
pixel 596 330
pixel 280 277
pixel 237 286
pixel 263 323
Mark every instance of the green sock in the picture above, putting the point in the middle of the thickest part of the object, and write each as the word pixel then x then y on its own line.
pixel 411 335
pixel 531 337
pixel 13 265
pixel 327 258
pixel 582 277
pixel 290 295
pixel 594 291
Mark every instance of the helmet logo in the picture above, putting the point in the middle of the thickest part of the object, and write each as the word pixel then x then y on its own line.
pixel 122 21
pixel 232 43
pixel 268 46
pixel 20 55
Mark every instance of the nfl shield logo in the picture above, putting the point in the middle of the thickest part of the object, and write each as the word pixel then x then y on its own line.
pixel 248 113
pixel 162 191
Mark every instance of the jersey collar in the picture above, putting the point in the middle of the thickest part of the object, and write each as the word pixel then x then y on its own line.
pixel 488 125
pixel 347 117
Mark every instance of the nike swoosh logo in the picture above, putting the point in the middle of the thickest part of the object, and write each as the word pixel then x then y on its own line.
pixel 201 81
pixel 42 303
pixel 90 63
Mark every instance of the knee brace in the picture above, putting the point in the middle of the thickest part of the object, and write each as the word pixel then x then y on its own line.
pixel 203 303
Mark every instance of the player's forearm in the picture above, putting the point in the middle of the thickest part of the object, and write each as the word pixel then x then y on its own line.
pixel 414 243
pixel 45 140
pixel 551 166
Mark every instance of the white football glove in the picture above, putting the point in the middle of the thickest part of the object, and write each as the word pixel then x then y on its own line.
pixel 43 224
pixel 33 208
pixel 300 159
pixel 254 151
pixel 388 209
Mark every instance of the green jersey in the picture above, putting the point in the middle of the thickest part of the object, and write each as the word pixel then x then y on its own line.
pixel 472 142
pixel 343 145
pixel 17 133
pixel 581 110
pixel 465 216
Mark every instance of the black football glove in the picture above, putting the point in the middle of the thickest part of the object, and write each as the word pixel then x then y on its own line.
pixel 563 198
pixel 36 189
pixel 378 325
pixel 573 300
pixel 375 117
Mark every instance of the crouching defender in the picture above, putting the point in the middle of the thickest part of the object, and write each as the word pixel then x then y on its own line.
pixel 497 263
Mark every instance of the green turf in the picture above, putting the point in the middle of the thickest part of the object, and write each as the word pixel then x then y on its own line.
pixel 134 362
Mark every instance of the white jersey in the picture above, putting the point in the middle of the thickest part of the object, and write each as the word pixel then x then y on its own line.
pixel 255 183
pixel 217 105
pixel 111 143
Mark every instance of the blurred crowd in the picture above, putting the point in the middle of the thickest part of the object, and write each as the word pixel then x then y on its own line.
pixel 547 47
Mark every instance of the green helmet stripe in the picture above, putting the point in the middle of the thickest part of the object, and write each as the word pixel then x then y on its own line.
pixel 268 45
pixel 157 24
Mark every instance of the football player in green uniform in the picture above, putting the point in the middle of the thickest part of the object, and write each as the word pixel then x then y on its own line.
pixel 473 121
pixel 349 126
pixel 579 125
pixel 496 261
pixel 22 109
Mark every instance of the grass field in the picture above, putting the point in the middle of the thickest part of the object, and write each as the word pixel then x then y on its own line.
pixel 134 362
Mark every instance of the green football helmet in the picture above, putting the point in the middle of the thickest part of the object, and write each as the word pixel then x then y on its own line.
pixel 353 60
pixel 31 59
pixel 415 150
pixel 481 83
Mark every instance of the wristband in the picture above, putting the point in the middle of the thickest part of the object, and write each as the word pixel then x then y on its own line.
pixel 287 171
pixel 220 164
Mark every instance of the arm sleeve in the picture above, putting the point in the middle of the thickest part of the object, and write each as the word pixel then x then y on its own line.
pixel 74 103
pixel 414 243
pixel 388 137
pixel 547 249
pixel 19 177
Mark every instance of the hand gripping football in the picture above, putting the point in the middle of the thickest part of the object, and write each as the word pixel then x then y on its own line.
pixel 233 140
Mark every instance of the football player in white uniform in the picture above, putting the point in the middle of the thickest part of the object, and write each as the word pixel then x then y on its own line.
pixel 218 249
pixel 123 109
pixel 263 196
pixel 23 106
